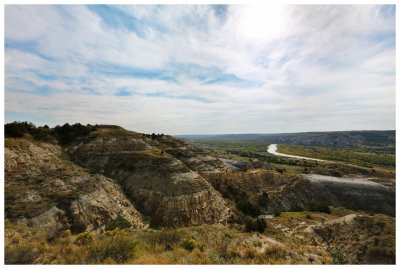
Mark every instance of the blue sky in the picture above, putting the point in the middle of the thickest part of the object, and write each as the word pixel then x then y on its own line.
pixel 202 69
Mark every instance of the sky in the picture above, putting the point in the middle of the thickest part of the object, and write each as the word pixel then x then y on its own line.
pixel 202 69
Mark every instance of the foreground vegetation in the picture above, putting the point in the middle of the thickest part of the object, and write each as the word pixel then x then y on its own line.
pixel 195 245
pixel 281 242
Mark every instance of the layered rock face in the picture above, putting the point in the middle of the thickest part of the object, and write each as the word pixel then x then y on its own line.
pixel 358 194
pixel 284 192
pixel 199 160
pixel 163 188
pixel 44 190
pixel 114 172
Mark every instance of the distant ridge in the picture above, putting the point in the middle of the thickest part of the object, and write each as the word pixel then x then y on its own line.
pixel 331 138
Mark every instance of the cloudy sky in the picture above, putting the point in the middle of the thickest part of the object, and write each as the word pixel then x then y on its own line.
pixel 186 69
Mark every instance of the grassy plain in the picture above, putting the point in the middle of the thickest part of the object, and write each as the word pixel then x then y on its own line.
pixel 369 157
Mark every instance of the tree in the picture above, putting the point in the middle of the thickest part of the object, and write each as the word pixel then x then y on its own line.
pixel 263 199
pixel 120 222
pixel 260 225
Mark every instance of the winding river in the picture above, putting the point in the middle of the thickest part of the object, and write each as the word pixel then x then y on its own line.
pixel 320 178
pixel 273 150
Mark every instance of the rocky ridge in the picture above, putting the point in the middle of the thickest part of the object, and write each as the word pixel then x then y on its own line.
pixel 109 172
pixel 45 190
pixel 164 188
pixel 114 171
pixel 286 192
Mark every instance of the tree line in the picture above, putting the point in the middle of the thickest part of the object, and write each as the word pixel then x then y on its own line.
pixel 64 134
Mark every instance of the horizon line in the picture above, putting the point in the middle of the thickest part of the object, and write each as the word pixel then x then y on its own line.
pixel 363 130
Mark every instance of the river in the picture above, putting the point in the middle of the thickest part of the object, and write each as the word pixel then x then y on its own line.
pixel 273 150
pixel 320 178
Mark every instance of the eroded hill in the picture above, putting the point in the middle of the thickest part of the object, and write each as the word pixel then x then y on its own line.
pixel 59 179
pixel 165 189
pixel 44 189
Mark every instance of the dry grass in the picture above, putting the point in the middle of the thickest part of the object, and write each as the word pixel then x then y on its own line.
pixel 341 211
pixel 112 131
pixel 214 244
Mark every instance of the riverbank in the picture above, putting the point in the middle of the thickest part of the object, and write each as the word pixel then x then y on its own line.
pixel 273 150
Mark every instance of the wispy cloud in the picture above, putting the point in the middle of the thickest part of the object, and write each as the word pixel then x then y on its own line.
pixel 202 69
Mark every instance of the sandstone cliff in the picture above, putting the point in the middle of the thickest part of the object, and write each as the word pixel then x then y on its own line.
pixel 284 192
pixel 45 190
pixel 164 188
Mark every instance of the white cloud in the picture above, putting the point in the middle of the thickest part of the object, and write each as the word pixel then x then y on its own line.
pixel 307 62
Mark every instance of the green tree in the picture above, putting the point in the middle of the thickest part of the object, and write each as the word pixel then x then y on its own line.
pixel 120 222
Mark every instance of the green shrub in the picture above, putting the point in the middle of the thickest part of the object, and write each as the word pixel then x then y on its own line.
pixel 215 258
pixel 255 225
pixel 260 225
pixel 296 208
pixel 338 257
pixel 319 207
pixel 234 193
pixel 248 208
pixel 20 254
pixel 18 129
pixel 166 237
pixel 275 252
pixel 277 212
pixel 249 224
pixel 191 243
pixel 77 226
pixel 120 222
pixel 263 199
pixel 221 247
pixel 84 238
pixel 120 248
pixel 67 133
